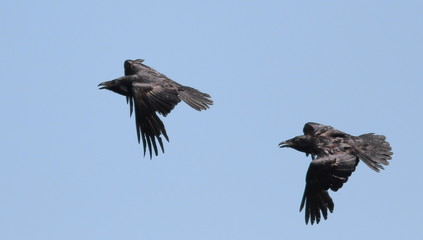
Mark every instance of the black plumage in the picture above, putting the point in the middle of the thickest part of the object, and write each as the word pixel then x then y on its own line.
pixel 335 155
pixel 151 92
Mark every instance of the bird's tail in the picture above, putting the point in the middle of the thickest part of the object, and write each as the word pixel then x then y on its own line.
pixel 316 201
pixel 194 98
pixel 374 151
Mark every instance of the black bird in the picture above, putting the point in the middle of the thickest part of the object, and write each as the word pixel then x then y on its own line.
pixel 151 92
pixel 335 155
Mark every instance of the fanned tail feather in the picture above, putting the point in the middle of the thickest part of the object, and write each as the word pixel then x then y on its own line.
pixel 194 98
pixel 374 151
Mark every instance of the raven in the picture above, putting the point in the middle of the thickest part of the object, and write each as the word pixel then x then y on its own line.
pixel 151 92
pixel 335 155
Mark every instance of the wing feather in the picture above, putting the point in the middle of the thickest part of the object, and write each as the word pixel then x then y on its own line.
pixel 324 173
pixel 161 97
pixel 148 125
pixel 317 129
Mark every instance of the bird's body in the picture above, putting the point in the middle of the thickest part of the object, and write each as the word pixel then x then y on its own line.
pixel 335 155
pixel 148 92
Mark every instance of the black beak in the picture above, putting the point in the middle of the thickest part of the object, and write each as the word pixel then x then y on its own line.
pixel 103 85
pixel 284 144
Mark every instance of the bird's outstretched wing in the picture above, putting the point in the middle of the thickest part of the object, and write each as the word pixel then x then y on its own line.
pixel 136 67
pixel 132 66
pixel 149 98
pixel 160 96
pixel 325 172
pixel 317 129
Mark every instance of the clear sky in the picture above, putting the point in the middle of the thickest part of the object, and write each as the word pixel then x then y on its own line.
pixel 71 167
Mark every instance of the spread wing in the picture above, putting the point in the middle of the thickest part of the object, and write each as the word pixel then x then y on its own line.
pixel 324 173
pixel 160 96
pixel 131 66
pixel 136 67
pixel 317 129
pixel 148 99
pixel 151 71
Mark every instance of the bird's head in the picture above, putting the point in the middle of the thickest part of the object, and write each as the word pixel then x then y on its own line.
pixel 117 86
pixel 302 143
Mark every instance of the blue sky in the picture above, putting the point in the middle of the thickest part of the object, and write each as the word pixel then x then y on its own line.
pixel 71 165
